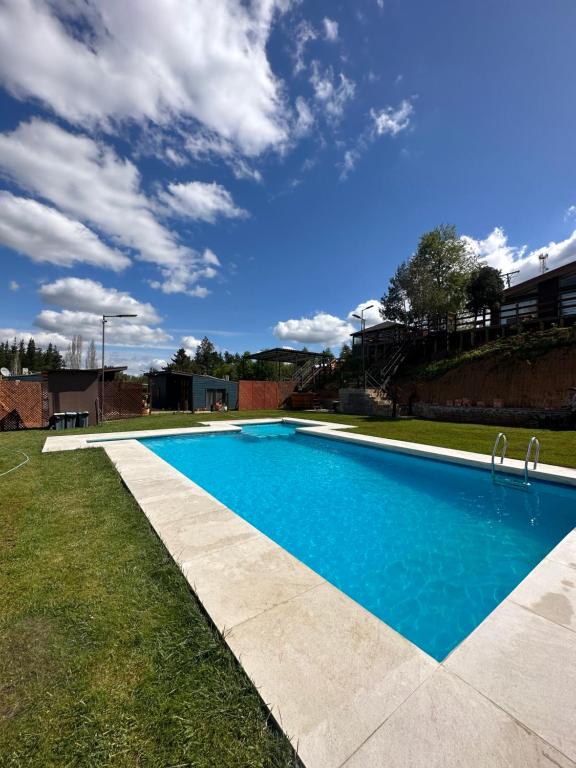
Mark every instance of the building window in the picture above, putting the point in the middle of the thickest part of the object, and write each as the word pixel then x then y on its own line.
pixel 519 311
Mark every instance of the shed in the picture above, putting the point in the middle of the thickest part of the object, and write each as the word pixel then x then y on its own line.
pixel 181 391
pixel 71 389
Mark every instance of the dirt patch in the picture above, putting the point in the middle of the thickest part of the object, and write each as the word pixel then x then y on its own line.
pixel 29 666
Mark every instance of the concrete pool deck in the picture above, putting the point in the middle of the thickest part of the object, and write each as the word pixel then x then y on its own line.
pixel 347 689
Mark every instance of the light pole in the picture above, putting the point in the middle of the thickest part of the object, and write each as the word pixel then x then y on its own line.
pixel 363 328
pixel 104 321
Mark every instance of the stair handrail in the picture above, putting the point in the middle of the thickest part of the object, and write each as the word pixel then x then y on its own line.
pixel 501 437
pixel 533 443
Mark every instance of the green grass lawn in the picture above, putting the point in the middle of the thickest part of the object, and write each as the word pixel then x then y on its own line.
pixel 105 657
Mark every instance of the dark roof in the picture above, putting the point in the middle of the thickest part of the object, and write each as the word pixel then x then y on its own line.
pixel 528 285
pixel 73 371
pixel 282 355
pixel 188 374
pixel 379 327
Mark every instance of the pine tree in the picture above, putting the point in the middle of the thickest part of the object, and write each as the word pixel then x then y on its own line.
pixel 29 360
pixel 207 358
pixel 181 362
pixel 52 359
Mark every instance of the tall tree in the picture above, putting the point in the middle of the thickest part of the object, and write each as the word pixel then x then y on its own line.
pixel 30 359
pixel 91 361
pixel 207 358
pixel 181 361
pixel 432 283
pixel 52 359
pixel 485 289
pixel 74 353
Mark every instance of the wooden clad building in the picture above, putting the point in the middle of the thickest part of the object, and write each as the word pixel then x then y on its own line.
pixel 180 391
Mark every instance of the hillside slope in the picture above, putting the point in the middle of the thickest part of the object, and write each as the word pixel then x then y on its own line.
pixel 523 371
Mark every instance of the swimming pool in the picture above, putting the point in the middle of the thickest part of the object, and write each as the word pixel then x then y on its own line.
pixel 427 546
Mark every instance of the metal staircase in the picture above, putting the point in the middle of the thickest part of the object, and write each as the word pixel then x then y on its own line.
pixel 309 374
pixel 378 376
pixel 524 484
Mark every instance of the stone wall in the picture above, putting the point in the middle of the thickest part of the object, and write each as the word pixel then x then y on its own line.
pixel 506 417
pixel 362 403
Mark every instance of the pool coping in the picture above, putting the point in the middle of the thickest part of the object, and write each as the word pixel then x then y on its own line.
pixel 344 686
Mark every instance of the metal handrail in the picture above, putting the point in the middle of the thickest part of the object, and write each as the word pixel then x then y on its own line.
pixel 534 443
pixel 501 437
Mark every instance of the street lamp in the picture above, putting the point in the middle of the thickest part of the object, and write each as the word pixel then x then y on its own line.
pixel 104 321
pixel 363 328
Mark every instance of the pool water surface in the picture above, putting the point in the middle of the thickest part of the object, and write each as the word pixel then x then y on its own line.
pixel 427 546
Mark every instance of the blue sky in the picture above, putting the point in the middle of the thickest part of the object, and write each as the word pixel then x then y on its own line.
pixel 255 171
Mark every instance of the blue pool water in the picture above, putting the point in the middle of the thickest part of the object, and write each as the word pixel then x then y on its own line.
pixel 429 547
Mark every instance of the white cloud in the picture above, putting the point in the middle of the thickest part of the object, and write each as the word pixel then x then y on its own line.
pixel 305 118
pixel 389 121
pixel 85 295
pixel 333 94
pixel 41 338
pixel 330 29
pixel 570 212
pixel 322 328
pixel 121 332
pixel 157 363
pixel 157 61
pixel 46 235
pixel 304 34
pixel 200 201
pixel 183 277
pixel 191 344
pixel 496 252
pixel 13 285
pixel 392 121
pixel 372 315
pixel 88 180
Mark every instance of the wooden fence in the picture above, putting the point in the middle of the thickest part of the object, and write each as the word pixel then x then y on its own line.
pixel 123 399
pixel 23 405
pixel 260 395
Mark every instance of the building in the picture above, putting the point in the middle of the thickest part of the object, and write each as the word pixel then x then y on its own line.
pixel 378 339
pixel 71 389
pixel 179 391
pixel 29 401
pixel 548 297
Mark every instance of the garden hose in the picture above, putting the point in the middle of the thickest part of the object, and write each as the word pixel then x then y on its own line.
pixel 26 460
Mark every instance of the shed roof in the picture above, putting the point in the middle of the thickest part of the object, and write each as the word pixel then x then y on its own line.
pixel 379 327
pixel 75 371
pixel 283 355
pixel 186 374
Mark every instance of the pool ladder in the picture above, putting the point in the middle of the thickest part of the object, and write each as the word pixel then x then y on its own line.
pixel 533 445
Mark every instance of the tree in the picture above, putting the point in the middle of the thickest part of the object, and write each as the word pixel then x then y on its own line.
pixel 52 359
pixel 206 357
pixel 485 289
pixel 74 353
pixel 432 283
pixel 91 355
pixel 181 362
pixel 30 358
